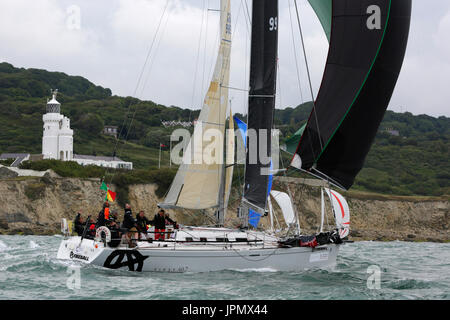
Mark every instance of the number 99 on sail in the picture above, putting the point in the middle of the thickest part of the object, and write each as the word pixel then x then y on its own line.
pixel 273 23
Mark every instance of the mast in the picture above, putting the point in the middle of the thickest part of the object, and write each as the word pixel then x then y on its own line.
pixel 263 70
pixel 221 210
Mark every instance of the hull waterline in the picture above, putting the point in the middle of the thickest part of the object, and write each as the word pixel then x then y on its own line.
pixel 166 256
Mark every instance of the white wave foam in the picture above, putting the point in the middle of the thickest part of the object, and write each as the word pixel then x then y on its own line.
pixel 3 246
pixel 33 245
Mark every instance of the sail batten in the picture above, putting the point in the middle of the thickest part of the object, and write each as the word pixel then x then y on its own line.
pixel 198 181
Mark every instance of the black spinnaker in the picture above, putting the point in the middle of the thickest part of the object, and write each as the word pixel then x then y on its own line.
pixel 263 70
pixel 368 41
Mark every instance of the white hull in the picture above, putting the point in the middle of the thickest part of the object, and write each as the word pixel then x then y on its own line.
pixel 168 256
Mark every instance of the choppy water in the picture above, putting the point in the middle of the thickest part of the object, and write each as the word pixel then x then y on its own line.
pixel 29 270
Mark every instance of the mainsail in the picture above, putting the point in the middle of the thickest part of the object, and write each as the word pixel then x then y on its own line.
pixel 199 180
pixel 367 46
pixel 263 70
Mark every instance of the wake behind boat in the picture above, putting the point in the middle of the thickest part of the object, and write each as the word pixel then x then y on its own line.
pixel 358 82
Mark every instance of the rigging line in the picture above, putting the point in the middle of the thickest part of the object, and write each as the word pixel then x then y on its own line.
pixel 295 53
pixel 248 13
pixel 237 20
pixel 154 56
pixel 204 52
pixel 212 64
pixel 146 62
pixel 247 40
pixel 234 88
pixel 245 16
pixel 197 59
pixel 277 92
pixel 136 89
pixel 308 73
pixel 297 216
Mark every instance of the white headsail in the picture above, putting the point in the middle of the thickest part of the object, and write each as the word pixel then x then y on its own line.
pixel 341 212
pixel 198 180
pixel 285 203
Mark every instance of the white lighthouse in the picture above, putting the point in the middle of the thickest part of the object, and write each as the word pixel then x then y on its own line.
pixel 57 141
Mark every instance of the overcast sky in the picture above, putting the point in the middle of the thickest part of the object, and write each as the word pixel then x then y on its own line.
pixel 110 44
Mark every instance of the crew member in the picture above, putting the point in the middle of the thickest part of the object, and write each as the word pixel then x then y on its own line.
pixel 90 232
pixel 78 224
pixel 159 221
pixel 130 225
pixel 170 222
pixel 142 225
pixel 115 230
pixel 103 215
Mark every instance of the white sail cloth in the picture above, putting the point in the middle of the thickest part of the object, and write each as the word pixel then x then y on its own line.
pixel 198 180
pixel 284 202
pixel 341 212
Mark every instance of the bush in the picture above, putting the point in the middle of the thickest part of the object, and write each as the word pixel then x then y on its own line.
pixel 90 123
pixel 35 191
pixel 7 162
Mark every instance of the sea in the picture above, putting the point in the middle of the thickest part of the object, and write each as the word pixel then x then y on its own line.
pixel 364 270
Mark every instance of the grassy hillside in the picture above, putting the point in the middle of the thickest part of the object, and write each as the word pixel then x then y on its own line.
pixel 413 163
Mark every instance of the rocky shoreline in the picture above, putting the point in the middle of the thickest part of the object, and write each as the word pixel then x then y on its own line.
pixel 35 206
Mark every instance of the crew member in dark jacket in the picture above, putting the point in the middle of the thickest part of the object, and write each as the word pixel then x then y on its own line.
pixel 130 225
pixel 114 228
pixel 141 225
pixel 103 216
pixel 78 224
pixel 128 220
pixel 159 221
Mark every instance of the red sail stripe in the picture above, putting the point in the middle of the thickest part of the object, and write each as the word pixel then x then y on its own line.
pixel 340 204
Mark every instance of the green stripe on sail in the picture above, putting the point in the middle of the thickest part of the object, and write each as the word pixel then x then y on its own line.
pixel 323 9
pixel 364 82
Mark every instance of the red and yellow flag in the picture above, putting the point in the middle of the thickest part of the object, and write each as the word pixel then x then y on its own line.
pixel 111 196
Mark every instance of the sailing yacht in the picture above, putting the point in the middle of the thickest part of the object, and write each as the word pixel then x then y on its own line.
pixel 360 76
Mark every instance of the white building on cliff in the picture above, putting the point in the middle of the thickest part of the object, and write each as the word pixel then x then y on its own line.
pixel 57 141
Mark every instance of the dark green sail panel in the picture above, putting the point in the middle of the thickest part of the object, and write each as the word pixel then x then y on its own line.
pixel 292 142
pixel 361 72
pixel 323 9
